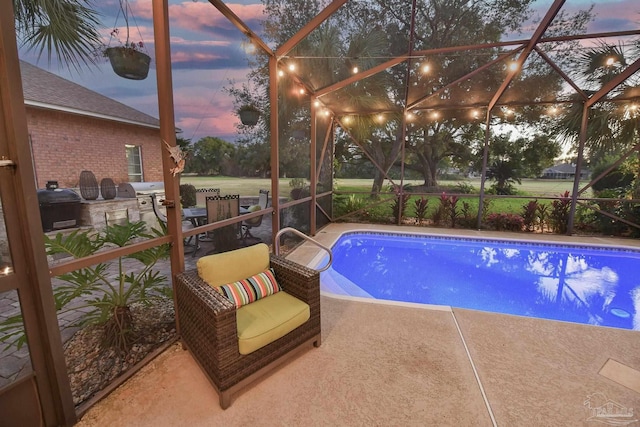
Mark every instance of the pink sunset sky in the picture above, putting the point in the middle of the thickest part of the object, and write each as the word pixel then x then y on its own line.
pixel 207 56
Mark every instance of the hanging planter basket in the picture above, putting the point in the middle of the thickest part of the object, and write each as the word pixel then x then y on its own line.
pixel 129 63
pixel 249 115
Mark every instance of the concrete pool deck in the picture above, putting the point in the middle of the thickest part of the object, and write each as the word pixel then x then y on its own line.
pixel 404 364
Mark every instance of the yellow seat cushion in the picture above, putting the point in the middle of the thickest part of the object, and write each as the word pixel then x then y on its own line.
pixel 227 267
pixel 268 319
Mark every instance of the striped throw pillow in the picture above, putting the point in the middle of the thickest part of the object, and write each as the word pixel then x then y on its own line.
pixel 246 291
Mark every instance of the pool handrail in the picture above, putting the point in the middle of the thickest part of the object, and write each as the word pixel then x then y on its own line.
pixel 304 236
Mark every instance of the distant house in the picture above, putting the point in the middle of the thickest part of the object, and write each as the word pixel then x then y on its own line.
pixel 72 129
pixel 564 171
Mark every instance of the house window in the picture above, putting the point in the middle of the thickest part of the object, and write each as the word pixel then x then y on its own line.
pixel 134 163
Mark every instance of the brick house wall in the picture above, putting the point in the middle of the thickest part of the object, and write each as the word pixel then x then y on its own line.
pixel 64 144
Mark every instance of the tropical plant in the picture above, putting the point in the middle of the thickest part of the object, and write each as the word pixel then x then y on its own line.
pixel 421 206
pixel 399 205
pixel 542 211
pixel 67 29
pixel 530 215
pixel 559 215
pixel 105 298
pixel 467 217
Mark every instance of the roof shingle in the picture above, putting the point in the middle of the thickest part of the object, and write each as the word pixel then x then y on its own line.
pixel 42 87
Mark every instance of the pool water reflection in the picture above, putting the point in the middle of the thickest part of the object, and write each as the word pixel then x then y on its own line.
pixel 582 284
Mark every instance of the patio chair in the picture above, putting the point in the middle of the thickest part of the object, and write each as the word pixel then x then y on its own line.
pixel 203 193
pixel 233 345
pixel 220 208
pixel 256 222
pixel 162 218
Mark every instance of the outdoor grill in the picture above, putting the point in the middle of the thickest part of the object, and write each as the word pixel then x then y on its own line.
pixel 143 191
pixel 59 207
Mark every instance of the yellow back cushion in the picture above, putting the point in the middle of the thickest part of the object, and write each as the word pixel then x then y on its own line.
pixel 227 267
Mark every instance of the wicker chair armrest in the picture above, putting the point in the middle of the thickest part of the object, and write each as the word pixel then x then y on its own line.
pixel 205 315
pixel 298 280
pixel 217 302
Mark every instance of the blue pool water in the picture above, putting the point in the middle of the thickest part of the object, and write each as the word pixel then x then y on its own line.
pixel 582 284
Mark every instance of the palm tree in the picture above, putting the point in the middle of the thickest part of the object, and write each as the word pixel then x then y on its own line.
pixel 67 29
pixel 612 126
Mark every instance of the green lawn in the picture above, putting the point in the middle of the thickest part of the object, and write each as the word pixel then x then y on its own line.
pixel 250 186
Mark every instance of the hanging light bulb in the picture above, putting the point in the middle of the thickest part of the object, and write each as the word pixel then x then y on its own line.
pixel 380 118
pixel 475 114
pixel 292 67
pixel 513 66
pixel 301 91
pixel 409 115
pixel 280 73
pixel 346 119
pixel 610 61
pixel 316 103
pixel 426 68
pixel 355 69
pixel 435 115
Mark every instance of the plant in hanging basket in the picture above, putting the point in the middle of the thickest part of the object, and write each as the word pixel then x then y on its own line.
pixel 249 114
pixel 128 60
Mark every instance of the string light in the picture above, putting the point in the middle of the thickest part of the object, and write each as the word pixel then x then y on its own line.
pixel 610 61
pixel 426 68
pixel 346 119
pixel 380 118
pixel 316 103
pixel 355 69
pixel 409 115
pixel 513 66
pixel 301 91
pixel 280 73
pixel 435 115
pixel 475 114
pixel 292 67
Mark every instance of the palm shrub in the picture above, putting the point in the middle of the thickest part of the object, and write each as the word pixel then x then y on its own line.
pixel 542 211
pixel 421 206
pixel 559 216
pixel 107 298
pixel 530 215
pixel 467 216
pixel 399 206
pixel 453 210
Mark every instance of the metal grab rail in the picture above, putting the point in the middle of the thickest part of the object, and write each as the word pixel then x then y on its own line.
pixel 304 236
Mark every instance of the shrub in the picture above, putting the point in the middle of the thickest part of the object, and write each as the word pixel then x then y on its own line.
pixel 464 188
pixel 421 206
pixel 542 211
pixel 530 215
pixel 559 215
pixel 399 205
pixel 505 222
pixel 187 195
pixel 468 218
pixel 353 203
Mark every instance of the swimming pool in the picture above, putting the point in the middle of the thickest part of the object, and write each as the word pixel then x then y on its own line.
pixel 574 283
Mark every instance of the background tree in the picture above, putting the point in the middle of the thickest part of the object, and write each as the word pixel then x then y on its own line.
pixel 212 156
pixel 511 159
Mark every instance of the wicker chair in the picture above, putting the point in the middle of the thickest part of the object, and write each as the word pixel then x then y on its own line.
pixel 207 326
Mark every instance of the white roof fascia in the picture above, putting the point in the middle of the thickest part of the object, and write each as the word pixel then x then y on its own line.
pixel 87 113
